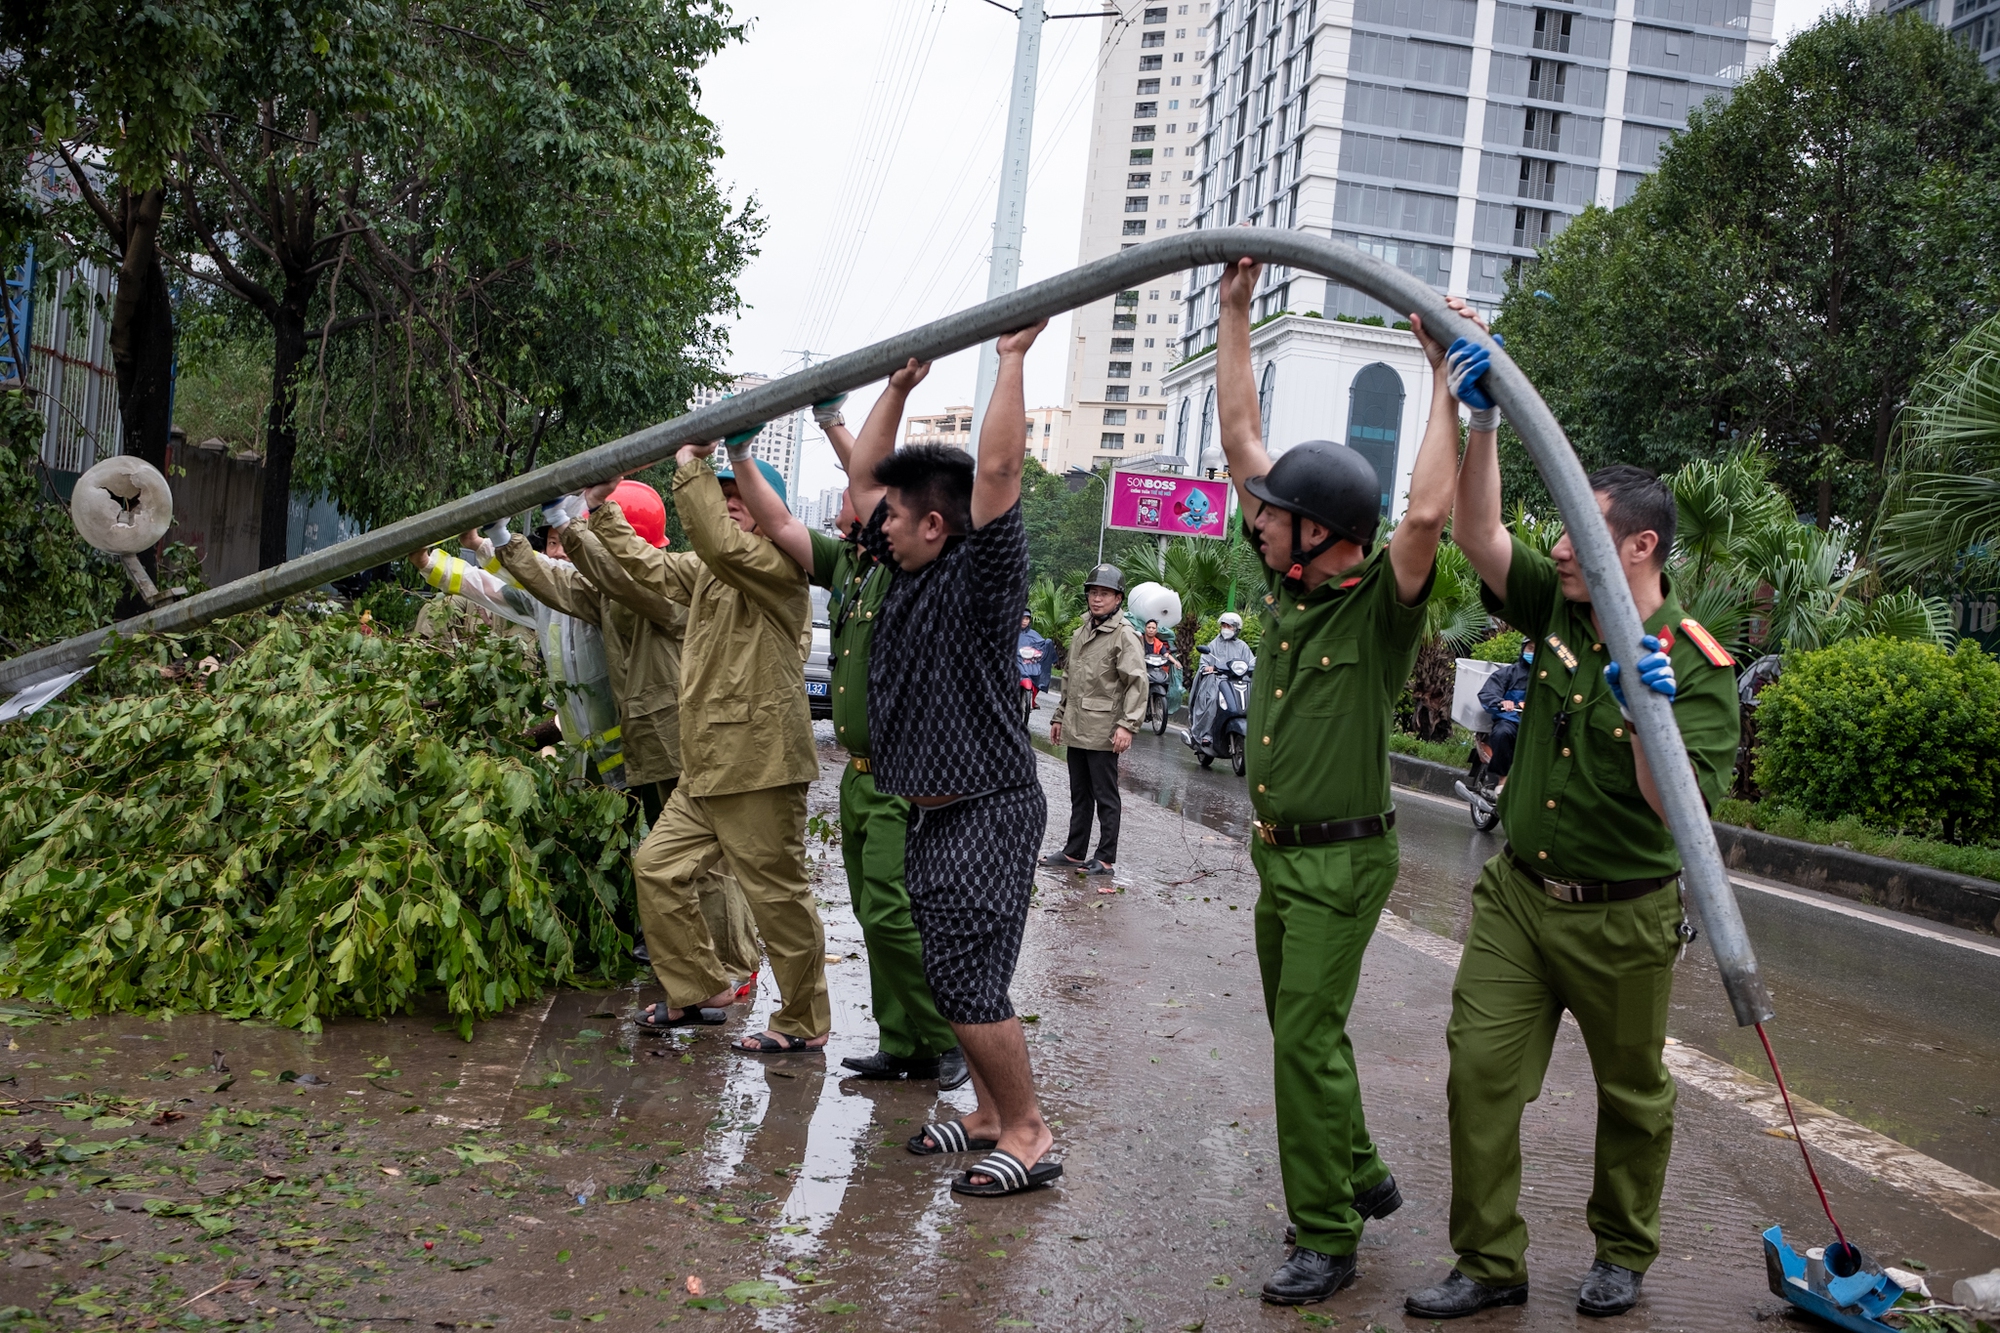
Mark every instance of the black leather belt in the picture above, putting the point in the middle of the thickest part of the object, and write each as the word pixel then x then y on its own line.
pixel 1334 830
pixel 1590 891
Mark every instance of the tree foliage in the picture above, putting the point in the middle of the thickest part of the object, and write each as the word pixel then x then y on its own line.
pixel 1941 515
pixel 1901 735
pixel 334 822
pixel 473 234
pixel 1801 255
pixel 51 584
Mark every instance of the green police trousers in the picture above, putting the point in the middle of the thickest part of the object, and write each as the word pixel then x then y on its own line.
pixel 873 827
pixel 1317 910
pixel 1529 958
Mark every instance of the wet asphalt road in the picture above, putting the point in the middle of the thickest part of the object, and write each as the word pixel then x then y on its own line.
pixel 1889 1020
pixel 561 1169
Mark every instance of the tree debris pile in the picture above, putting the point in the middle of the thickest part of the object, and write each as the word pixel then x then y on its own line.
pixel 333 822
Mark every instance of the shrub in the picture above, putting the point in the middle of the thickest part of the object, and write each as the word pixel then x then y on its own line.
pixel 1503 647
pixel 335 822
pixel 1898 734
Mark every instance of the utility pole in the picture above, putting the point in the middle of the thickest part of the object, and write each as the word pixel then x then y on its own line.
pixel 793 482
pixel 1004 274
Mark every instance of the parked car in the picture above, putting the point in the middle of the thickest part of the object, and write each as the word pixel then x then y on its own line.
pixel 819 665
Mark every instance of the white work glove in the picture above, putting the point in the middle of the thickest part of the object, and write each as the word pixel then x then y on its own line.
pixel 562 511
pixel 827 413
pixel 496 532
pixel 741 444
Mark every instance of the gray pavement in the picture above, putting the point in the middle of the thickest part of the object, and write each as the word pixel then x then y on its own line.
pixel 784 1193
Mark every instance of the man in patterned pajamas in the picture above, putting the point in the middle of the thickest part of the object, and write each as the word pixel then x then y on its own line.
pixel 944 719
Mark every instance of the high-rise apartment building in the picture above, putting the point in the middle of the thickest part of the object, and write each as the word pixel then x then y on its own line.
pixel 777 444
pixel 1449 137
pixel 1152 73
pixel 1974 22
pixel 1048 428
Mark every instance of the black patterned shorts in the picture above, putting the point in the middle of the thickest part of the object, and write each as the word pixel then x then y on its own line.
pixel 970 867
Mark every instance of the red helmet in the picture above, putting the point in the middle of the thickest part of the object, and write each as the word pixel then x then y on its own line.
pixel 643 510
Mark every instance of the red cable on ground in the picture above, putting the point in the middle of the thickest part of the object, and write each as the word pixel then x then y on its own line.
pixel 1798 1137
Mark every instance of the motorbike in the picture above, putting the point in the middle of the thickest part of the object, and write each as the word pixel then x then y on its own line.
pixel 1479 789
pixel 1231 717
pixel 1031 670
pixel 1157 667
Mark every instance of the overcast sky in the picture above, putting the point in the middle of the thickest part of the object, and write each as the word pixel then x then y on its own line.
pixel 868 131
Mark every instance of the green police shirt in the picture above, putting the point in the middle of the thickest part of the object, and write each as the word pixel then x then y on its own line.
pixel 1572 807
pixel 1330 665
pixel 856 582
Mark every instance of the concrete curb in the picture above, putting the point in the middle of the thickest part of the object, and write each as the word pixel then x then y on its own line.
pixel 1936 895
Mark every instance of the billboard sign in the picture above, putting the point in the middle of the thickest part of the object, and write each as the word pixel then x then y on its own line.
pixel 1169 506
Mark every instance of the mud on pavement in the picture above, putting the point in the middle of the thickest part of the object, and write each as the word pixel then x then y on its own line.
pixel 562 1170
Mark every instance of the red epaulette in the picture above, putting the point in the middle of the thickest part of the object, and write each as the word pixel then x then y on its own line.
pixel 1716 654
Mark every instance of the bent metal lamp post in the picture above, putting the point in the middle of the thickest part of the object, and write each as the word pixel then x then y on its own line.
pixel 1706 880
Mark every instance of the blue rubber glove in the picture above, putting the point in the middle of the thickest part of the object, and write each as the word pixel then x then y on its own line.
pixel 1656 673
pixel 1466 363
pixel 562 510
pixel 496 532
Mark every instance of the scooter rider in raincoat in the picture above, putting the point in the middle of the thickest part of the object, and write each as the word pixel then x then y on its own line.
pixel 1227 646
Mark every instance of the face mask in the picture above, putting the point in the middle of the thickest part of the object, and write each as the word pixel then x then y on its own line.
pixel 1228 633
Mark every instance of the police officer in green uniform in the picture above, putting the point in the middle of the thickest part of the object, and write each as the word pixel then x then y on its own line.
pixel 915 1041
pixel 1580 911
pixel 1342 625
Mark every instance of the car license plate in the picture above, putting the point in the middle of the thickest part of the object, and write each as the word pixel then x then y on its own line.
pixel 816 688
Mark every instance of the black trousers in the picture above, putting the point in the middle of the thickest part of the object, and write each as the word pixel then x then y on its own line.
pixel 1505 731
pixel 1093 780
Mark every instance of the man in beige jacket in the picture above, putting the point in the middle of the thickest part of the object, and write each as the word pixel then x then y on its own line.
pixel 1103 703
pixel 747 752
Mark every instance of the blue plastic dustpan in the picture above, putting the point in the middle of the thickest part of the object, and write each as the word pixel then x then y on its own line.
pixel 1855 1302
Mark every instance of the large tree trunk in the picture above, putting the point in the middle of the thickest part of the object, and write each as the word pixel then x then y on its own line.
pixel 142 350
pixel 1430 691
pixel 281 440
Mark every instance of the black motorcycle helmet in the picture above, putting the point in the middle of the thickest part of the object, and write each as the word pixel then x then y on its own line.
pixel 1328 483
pixel 1106 576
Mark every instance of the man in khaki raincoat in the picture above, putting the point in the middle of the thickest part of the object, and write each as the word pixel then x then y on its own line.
pixel 642 634
pixel 747 744
pixel 1103 704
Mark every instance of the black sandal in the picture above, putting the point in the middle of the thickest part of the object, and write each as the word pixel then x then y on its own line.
pixel 947 1137
pixel 1062 861
pixel 693 1016
pixel 783 1044
pixel 1005 1174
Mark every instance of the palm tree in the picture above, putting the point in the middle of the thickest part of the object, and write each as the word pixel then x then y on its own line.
pixel 1454 620
pixel 1203 572
pixel 1942 506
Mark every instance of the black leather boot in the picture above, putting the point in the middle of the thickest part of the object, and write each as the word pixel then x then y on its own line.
pixel 1458 1295
pixel 880 1066
pixel 1380 1201
pixel 952 1072
pixel 1309 1276
pixel 1608 1290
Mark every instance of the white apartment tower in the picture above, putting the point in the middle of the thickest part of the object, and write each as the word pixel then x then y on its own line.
pixel 1151 76
pixel 777 444
pixel 1449 137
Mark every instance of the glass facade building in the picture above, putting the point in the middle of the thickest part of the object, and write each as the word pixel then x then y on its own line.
pixel 1449 137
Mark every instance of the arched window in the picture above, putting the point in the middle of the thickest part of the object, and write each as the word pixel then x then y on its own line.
pixel 1180 430
pixel 1264 388
pixel 1375 422
pixel 1207 425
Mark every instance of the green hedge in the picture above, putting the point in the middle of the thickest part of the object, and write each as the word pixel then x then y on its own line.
pixel 1898 734
pixel 329 822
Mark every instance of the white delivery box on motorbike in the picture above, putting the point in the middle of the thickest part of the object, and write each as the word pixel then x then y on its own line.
pixel 1466 710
